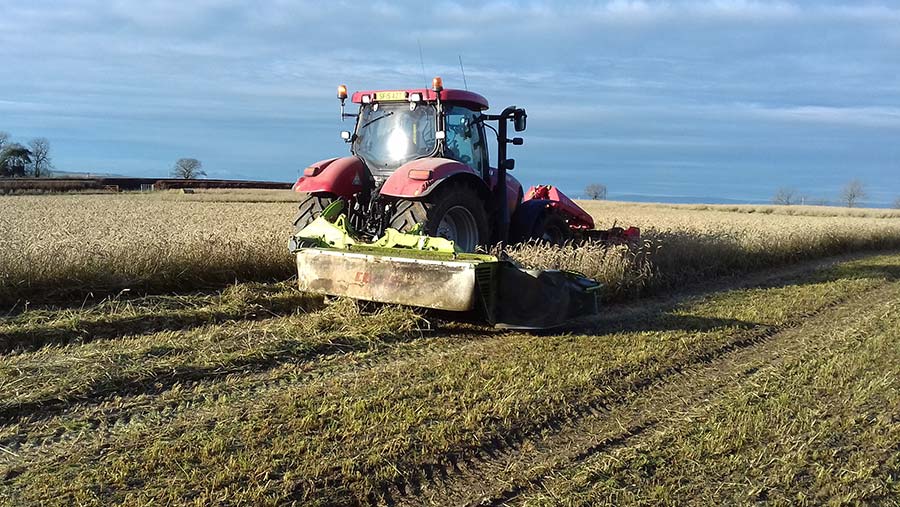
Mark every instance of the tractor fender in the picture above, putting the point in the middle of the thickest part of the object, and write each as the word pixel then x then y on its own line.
pixel 513 190
pixel 342 177
pixel 419 178
pixel 514 193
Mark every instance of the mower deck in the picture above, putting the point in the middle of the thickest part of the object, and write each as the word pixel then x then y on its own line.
pixel 416 270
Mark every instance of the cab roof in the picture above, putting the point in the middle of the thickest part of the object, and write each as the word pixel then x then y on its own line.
pixel 463 98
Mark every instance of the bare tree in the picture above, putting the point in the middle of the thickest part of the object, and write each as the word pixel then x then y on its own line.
pixel 41 165
pixel 785 196
pixel 852 193
pixel 4 140
pixel 897 203
pixel 595 191
pixel 14 159
pixel 188 169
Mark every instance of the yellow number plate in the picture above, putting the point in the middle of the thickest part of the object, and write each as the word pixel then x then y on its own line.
pixel 394 95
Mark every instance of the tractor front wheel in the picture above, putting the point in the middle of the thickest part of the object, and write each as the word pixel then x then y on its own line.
pixel 454 212
pixel 311 206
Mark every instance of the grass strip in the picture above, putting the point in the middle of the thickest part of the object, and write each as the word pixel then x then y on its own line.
pixel 341 439
pixel 53 376
pixel 116 317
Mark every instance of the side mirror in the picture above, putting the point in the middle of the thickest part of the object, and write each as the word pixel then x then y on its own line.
pixel 509 164
pixel 518 141
pixel 519 120
pixel 346 136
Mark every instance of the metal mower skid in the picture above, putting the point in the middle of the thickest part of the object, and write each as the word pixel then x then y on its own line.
pixel 416 270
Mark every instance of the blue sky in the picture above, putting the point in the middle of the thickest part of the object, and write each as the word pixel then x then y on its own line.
pixel 673 100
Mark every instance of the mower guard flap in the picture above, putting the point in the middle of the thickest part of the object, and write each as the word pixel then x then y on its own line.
pixel 436 284
pixel 533 299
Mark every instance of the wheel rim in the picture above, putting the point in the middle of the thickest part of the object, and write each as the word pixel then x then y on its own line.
pixel 459 226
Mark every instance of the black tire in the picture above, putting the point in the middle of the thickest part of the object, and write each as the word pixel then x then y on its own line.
pixel 552 228
pixel 311 206
pixel 453 207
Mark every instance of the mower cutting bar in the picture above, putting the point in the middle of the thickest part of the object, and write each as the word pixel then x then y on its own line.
pixel 441 285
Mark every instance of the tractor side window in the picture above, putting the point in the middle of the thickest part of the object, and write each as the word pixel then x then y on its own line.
pixel 465 141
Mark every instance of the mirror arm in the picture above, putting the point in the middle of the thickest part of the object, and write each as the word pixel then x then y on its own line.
pixel 495 131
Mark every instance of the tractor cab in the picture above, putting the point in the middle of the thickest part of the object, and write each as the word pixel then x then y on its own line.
pixel 394 127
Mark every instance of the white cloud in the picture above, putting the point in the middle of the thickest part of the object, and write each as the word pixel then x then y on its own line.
pixel 880 117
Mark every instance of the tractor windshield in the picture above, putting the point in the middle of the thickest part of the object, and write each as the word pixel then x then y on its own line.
pixel 390 134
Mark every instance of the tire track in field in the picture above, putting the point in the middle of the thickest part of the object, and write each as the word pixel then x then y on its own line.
pixel 502 469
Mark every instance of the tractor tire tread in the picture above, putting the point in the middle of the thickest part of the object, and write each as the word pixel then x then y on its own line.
pixel 310 207
pixel 409 213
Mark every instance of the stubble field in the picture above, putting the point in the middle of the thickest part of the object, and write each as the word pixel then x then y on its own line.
pixel 154 351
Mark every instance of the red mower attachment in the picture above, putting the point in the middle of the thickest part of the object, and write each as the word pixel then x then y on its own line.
pixel 577 218
pixel 548 214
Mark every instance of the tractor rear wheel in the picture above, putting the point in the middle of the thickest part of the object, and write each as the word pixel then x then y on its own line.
pixel 311 206
pixel 454 212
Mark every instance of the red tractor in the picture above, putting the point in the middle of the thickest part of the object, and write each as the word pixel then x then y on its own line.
pixel 420 157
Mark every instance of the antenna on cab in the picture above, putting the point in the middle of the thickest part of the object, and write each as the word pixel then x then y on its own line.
pixel 422 61
pixel 463 70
